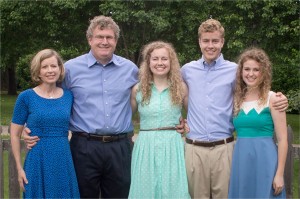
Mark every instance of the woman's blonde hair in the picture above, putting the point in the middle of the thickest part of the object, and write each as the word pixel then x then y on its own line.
pixel 35 66
pixel 264 86
pixel 174 75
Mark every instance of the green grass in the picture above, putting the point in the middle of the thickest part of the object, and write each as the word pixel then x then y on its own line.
pixel 296 178
pixel 7 103
pixel 293 121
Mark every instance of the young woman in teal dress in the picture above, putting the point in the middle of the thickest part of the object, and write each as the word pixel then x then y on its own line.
pixel 48 168
pixel 158 167
pixel 258 164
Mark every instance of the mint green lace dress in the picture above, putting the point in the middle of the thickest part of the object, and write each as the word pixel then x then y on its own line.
pixel 158 167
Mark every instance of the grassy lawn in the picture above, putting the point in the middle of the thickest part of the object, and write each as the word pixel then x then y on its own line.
pixel 7 103
pixel 293 121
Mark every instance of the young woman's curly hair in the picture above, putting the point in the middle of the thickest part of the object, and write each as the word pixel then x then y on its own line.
pixel 174 75
pixel 264 86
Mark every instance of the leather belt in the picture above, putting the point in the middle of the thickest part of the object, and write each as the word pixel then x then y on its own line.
pixel 102 138
pixel 209 144
pixel 160 129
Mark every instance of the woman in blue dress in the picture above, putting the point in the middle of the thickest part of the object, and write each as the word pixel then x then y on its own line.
pixel 158 167
pixel 48 168
pixel 258 164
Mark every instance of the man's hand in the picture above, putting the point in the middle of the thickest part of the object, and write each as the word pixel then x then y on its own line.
pixel 186 126
pixel 29 140
pixel 180 126
pixel 281 102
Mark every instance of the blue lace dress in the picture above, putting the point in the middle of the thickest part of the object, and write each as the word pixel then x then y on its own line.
pixel 254 161
pixel 158 166
pixel 48 165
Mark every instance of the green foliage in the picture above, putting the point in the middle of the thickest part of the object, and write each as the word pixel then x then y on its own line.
pixel 23 66
pixel 286 71
pixel 294 101
pixel 29 26
pixel 23 72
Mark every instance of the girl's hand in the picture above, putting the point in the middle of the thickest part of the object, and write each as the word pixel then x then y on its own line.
pixel 278 184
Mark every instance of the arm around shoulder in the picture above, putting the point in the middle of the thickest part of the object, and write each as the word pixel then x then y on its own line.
pixel 280 102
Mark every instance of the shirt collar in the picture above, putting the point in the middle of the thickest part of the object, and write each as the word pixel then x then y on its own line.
pixel 93 61
pixel 214 64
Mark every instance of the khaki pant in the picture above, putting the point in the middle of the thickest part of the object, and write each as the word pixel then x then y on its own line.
pixel 208 170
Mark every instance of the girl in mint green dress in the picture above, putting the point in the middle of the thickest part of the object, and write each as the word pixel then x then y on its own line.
pixel 158 166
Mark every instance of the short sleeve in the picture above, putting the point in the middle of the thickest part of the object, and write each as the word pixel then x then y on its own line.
pixel 21 111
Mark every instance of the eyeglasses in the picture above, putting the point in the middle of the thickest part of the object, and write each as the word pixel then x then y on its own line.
pixel 101 37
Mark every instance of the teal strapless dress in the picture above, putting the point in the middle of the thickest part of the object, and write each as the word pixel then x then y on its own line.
pixel 254 161
pixel 158 166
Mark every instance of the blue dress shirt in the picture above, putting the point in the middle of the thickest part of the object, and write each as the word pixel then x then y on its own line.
pixel 101 94
pixel 210 101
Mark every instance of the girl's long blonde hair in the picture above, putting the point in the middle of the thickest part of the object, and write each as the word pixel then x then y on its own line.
pixel 264 86
pixel 174 75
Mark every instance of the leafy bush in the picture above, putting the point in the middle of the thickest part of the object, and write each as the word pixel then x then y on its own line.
pixel 23 72
pixel 294 101
pixel 23 66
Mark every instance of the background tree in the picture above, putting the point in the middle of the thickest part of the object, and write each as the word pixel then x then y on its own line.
pixel 27 27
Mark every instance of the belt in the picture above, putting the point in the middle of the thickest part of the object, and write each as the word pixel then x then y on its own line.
pixel 102 138
pixel 209 144
pixel 160 129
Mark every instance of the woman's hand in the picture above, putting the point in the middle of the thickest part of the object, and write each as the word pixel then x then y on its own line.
pixel 22 179
pixel 278 184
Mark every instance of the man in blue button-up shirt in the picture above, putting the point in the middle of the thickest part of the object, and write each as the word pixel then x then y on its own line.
pixel 209 143
pixel 101 83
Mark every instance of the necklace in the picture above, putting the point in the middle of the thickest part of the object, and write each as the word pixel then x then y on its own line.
pixel 49 95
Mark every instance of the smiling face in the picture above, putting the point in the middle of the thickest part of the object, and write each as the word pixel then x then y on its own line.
pixel 211 44
pixel 160 62
pixel 50 70
pixel 251 73
pixel 103 44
